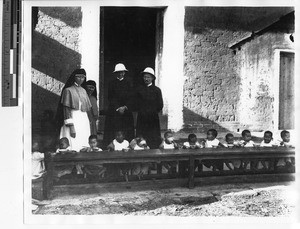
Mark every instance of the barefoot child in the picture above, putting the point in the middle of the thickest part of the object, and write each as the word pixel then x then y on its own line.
pixel 37 161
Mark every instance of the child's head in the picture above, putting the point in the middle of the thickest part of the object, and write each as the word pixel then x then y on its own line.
pixel 285 135
pixel 63 143
pixel 141 142
pixel 268 136
pixel 246 134
pixel 211 134
pixel 93 141
pixel 119 136
pixel 192 138
pixel 229 138
pixel 168 136
pixel 35 143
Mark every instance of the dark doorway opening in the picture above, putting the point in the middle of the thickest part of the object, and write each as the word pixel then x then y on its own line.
pixel 128 36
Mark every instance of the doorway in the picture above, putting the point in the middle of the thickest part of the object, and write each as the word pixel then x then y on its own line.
pixel 128 35
pixel 286 91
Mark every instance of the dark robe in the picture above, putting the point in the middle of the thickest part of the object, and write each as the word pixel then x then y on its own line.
pixel 119 94
pixel 149 103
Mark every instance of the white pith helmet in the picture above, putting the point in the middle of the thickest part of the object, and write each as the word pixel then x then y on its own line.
pixel 149 71
pixel 120 68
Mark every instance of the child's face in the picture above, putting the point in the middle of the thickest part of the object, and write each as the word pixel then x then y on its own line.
pixel 193 141
pixel 267 138
pixel 35 146
pixel 119 137
pixel 63 145
pixel 230 140
pixel 247 137
pixel 286 137
pixel 93 143
pixel 169 138
pixel 210 136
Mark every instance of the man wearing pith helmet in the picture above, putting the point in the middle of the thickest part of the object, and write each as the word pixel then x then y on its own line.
pixel 119 114
pixel 149 104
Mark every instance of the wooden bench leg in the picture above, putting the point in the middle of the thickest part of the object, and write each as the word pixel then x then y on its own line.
pixel 191 172
pixel 159 168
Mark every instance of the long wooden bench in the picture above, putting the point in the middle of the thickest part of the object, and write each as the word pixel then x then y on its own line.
pixel 158 156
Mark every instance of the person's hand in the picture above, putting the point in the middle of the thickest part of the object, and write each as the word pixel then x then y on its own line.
pixel 72 131
pixel 121 110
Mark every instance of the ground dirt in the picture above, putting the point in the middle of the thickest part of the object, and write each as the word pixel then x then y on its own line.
pixel 259 200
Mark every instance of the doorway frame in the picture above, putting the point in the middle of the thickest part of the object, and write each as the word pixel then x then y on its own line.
pixel 277 85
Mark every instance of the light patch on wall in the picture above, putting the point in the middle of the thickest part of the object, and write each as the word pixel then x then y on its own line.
pixel 46 82
pixel 58 30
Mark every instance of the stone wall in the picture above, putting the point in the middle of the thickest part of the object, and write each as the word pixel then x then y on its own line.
pixel 55 54
pixel 215 85
pixel 211 88
pixel 259 79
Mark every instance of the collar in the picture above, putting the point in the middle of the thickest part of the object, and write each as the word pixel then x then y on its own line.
pixel 149 85
pixel 120 79
pixel 76 84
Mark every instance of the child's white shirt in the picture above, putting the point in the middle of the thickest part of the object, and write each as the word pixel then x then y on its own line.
pixel 270 144
pixel 63 150
pixel 137 147
pixel 248 144
pixel 168 146
pixel 211 143
pixel 120 146
pixel 37 163
pixel 229 145
pixel 189 146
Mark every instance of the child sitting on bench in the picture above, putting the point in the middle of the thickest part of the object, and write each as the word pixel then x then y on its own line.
pixel 169 143
pixel 93 170
pixel 37 161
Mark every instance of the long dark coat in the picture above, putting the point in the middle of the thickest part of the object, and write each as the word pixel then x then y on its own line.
pixel 119 94
pixel 149 103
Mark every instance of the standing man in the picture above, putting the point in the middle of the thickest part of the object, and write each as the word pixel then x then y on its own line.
pixel 119 115
pixel 149 104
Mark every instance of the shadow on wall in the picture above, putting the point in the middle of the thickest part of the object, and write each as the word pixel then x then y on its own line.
pixel 196 123
pixel 56 61
pixel 72 16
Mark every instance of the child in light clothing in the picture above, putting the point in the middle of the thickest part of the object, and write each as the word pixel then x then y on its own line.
pixel 37 161
pixel 139 143
pixel 212 142
pixel 64 147
pixel 285 142
pixel 119 144
pixel 169 143
pixel 230 143
pixel 246 139
pixel 267 142
pixel 247 142
pixel 93 145
pixel 93 170
pixel 192 142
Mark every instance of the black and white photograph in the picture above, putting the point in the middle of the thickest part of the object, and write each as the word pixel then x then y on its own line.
pixel 149 112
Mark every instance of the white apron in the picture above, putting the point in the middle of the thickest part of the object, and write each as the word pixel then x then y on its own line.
pixel 82 129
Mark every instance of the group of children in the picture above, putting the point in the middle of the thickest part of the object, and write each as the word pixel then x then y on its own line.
pixel 168 142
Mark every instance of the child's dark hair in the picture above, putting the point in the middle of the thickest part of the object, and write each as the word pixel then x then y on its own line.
pixel 283 133
pixel 229 135
pixel 214 132
pixel 191 136
pixel 64 140
pixel 93 136
pixel 167 132
pixel 269 132
pixel 244 132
